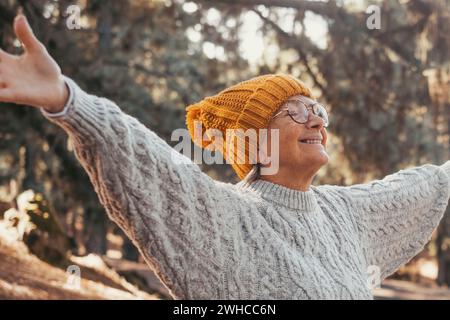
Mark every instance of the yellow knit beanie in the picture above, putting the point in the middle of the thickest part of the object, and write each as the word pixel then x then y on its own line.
pixel 248 104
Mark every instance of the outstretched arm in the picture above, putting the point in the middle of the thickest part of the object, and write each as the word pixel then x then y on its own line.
pixel 395 217
pixel 164 202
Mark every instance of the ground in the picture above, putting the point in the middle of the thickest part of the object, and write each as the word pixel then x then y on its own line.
pixel 24 276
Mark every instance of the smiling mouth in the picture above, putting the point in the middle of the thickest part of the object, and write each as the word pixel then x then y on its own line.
pixel 311 141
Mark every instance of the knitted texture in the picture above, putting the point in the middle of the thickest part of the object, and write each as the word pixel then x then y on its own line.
pixel 247 105
pixel 207 239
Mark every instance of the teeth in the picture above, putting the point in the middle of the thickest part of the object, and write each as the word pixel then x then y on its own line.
pixel 313 141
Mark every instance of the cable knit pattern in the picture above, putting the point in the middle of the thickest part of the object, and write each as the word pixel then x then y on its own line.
pixel 207 239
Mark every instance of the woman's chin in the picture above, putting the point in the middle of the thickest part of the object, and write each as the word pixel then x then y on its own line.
pixel 325 158
pixel 322 159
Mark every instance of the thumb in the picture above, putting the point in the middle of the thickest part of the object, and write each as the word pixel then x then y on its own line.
pixel 25 34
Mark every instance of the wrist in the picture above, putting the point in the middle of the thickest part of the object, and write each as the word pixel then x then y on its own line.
pixel 60 99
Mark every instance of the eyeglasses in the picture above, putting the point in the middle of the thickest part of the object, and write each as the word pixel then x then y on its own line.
pixel 298 110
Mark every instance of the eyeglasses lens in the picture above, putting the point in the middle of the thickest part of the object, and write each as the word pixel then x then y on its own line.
pixel 299 112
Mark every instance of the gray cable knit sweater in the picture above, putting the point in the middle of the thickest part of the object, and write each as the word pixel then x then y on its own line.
pixel 207 239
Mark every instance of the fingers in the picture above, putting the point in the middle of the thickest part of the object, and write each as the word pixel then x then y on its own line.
pixel 25 34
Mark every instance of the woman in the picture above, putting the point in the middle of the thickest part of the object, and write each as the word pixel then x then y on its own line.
pixel 272 236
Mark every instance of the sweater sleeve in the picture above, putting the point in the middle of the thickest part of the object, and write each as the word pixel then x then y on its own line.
pixel 395 217
pixel 168 207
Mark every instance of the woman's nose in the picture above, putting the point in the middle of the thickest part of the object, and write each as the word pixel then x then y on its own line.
pixel 314 121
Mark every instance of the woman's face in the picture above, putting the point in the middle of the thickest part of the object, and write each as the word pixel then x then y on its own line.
pixel 295 153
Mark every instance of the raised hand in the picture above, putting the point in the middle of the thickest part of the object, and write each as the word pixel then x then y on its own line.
pixel 33 78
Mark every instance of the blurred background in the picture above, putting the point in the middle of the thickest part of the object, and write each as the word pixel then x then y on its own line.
pixel 386 88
